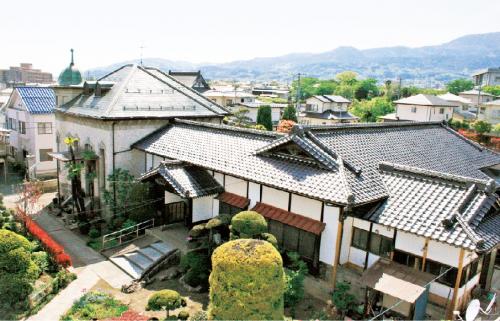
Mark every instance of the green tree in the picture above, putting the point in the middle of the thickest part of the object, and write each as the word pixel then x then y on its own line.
pixel 325 87
pixel 342 299
pixel 289 113
pixel 240 117
pixel 347 78
pixel 494 90
pixel 366 89
pixel 481 127
pixel 458 85
pixel 264 117
pixel 308 87
pixel 165 300
pixel 370 110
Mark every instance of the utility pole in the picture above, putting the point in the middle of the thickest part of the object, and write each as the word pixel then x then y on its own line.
pixel 298 96
pixel 399 87
pixel 142 48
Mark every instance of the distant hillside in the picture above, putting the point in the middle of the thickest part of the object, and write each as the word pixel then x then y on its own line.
pixel 428 65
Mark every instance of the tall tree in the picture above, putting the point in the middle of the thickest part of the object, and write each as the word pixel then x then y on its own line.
pixel 289 113
pixel 366 89
pixel 74 170
pixel 458 85
pixel 370 110
pixel 264 117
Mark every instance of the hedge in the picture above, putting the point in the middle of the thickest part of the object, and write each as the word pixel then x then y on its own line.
pixel 247 281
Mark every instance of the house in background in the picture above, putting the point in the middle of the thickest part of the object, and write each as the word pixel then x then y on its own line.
pixel 463 112
pixel 229 97
pixel 487 77
pixel 326 110
pixel 409 199
pixel 422 107
pixel 271 91
pixel 192 79
pixel 253 108
pixel 4 153
pixel 108 114
pixel 490 112
pixel 30 118
pixel 476 96
pixel 24 74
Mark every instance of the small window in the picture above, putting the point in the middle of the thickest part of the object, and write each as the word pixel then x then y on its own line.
pixel 12 124
pixel 441 110
pixel 413 109
pixel 44 155
pixel 380 245
pixel 13 151
pixel 44 128
pixel 359 238
pixel 22 127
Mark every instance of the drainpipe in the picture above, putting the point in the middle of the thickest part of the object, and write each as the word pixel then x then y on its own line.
pixel 113 150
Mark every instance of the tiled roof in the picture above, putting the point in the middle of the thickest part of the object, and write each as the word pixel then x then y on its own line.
pixel 289 218
pixel 425 100
pixel 231 150
pixel 332 98
pixel 443 207
pixel 38 100
pixel 143 92
pixel 234 200
pixel 188 181
pixel 330 114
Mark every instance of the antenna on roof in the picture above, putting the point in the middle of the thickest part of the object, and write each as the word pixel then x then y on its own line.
pixel 72 61
pixel 142 49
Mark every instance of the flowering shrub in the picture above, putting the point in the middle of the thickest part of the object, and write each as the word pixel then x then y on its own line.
pixel 54 248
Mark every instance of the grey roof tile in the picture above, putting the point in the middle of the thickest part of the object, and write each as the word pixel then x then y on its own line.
pixel 38 100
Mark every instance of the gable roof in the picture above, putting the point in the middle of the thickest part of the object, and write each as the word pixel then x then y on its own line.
pixel 332 98
pixel 143 92
pixel 421 202
pixel 330 114
pixel 189 78
pixel 475 92
pixel 38 100
pixel 425 100
pixel 452 97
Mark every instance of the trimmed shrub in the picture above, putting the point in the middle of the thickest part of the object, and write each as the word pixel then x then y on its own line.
pixel 213 223
pixel 10 241
pixel 248 224
pixel 270 238
pixel 183 315
pixel 94 233
pixel 247 281
pixel 41 260
pixel 264 117
pixel 197 230
pixel 197 264
pixel 165 300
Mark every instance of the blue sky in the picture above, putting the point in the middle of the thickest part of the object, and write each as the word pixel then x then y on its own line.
pixel 108 31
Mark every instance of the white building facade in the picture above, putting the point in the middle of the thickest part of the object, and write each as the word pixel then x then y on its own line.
pixel 424 108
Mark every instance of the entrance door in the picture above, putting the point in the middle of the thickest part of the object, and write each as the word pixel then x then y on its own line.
pixel 175 212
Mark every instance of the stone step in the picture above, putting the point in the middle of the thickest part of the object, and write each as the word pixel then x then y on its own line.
pixel 151 253
pixel 128 266
pixel 162 247
pixel 138 259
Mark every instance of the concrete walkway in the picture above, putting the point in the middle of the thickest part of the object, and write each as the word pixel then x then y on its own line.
pixel 89 265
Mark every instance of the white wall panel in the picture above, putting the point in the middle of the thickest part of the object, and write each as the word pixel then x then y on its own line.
pixel 329 235
pixel 202 208
pixel 275 197
pixel 253 193
pixel 306 207
pixel 236 186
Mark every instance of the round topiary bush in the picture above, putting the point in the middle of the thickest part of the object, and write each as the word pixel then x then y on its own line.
pixel 247 281
pixel 183 315
pixel 197 230
pixel 165 300
pixel 248 224
pixel 270 238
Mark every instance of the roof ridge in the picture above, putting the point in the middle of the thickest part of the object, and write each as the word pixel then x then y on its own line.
pixel 124 83
pixel 230 128
pixel 348 191
pixel 370 125
pixel 114 71
pixel 190 89
pixel 487 186
pixel 473 143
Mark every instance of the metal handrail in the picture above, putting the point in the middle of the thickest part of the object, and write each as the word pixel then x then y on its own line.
pixel 131 230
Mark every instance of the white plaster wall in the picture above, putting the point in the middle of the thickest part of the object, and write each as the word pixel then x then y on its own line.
pixel 236 186
pixel 329 236
pixel 441 290
pixel 372 259
pixel 404 112
pixel 383 230
pixel 357 256
pixel 149 162
pixel 346 240
pixel 275 197
pixel 253 193
pixel 202 208
pixel 410 243
pixel 362 224
pixel 219 177
pixel 469 285
pixel 172 198
pixel 306 207
pixel 42 141
pixel 215 207
pixel 443 253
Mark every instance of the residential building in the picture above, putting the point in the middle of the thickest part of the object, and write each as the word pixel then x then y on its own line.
pixel 463 112
pixel 192 79
pixel 229 97
pixel 253 108
pixel 4 153
pixel 410 199
pixel 269 91
pixel 24 74
pixel 326 110
pixel 487 77
pixel 422 107
pixel 108 114
pixel 490 112
pixel 476 96
pixel 30 118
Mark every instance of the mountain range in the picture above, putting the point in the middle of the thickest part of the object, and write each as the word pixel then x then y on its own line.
pixel 425 66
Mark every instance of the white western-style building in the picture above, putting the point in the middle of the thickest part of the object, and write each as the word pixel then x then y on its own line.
pixel 422 107
pixel 30 118
pixel 326 110
pixel 410 199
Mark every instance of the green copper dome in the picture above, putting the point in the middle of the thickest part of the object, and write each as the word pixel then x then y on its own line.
pixel 70 75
